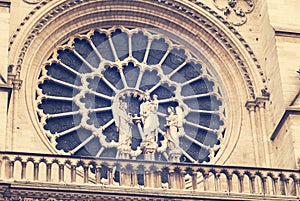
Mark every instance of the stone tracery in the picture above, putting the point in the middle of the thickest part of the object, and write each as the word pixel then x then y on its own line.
pixel 91 78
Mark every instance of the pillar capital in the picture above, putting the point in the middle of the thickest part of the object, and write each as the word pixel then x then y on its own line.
pixel 261 102
pixel 251 105
pixel 13 79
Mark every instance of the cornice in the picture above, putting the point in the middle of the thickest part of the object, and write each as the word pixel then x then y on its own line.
pixel 289 111
pixel 290 34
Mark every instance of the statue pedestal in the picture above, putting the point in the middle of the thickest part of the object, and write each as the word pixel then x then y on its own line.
pixel 174 155
pixel 149 149
pixel 124 151
pixel 123 155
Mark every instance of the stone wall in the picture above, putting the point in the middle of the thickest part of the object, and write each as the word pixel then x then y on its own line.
pixel 271 31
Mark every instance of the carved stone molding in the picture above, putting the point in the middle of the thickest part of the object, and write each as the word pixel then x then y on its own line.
pixel 235 10
pixel 14 78
pixel 32 1
pixel 250 105
pixel 259 102
pixel 179 7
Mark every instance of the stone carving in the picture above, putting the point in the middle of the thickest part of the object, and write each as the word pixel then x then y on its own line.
pixel 149 122
pixel 148 112
pixel 235 10
pixel 174 128
pixel 124 126
pixel 32 1
pixel 110 114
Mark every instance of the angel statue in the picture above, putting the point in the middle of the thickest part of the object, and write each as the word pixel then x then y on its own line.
pixel 174 129
pixel 124 126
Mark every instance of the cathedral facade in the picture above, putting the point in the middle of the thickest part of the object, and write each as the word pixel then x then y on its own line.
pixel 149 100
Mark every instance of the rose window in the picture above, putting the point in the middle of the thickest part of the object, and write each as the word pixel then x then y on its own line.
pixel 131 94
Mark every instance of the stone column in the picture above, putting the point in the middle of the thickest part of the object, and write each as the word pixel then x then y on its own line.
pixel 85 174
pixel 23 171
pixel 48 172
pixel 61 173
pixel 194 180
pixel 205 182
pixel 152 181
pixel 73 173
pixel 241 184
pixel 251 107
pixel 171 180
pixel 11 170
pixel 36 171
pixel 275 186
pixel 16 83
pixel 252 184
pixel 125 179
pixel 261 105
pixel 158 183
pixel 182 179
pixel 134 177
pixel 264 185
pixel 229 183
pixel 110 175
pixel 98 174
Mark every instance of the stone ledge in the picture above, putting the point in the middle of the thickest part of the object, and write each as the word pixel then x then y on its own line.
pixel 38 190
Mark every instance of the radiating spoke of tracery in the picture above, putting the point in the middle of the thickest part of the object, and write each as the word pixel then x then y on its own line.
pixel 77 148
pixel 100 95
pixel 89 76
pixel 63 83
pixel 57 98
pixel 65 132
pixel 109 84
pixel 69 68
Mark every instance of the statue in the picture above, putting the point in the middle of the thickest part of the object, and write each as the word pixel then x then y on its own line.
pixel 149 118
pixel 174 129
pixel 148 113
pixel 124 126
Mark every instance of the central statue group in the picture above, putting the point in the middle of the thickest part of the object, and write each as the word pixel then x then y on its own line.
pixel 148 124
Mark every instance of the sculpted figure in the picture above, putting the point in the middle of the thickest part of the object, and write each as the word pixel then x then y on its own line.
pixel 124 125
pixel 148 113
pixel 172 130
pixel 174 127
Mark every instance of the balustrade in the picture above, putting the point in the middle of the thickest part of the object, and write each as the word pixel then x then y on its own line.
pixel 18 167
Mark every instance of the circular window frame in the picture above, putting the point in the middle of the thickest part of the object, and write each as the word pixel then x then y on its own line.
pixel 227 67
pixel 188 61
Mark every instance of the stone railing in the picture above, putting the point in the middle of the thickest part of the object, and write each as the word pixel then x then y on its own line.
pixel 142 175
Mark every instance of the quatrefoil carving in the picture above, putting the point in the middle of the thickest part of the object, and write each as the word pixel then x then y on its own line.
pixel 235 10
